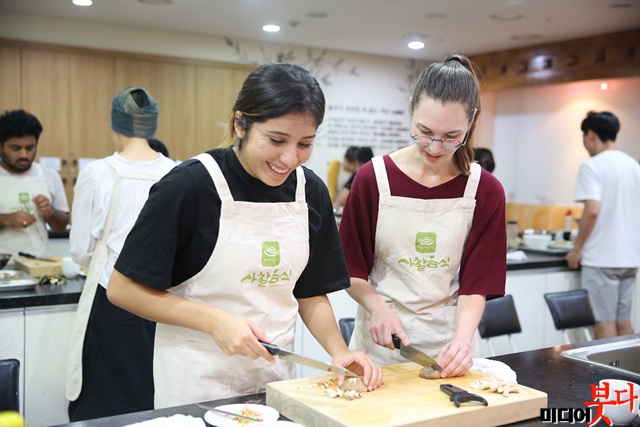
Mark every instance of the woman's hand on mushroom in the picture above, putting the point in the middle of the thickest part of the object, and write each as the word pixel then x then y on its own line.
pixel 361 364
pixel 455 359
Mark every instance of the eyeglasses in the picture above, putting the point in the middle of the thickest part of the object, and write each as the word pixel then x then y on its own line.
pixel 449 144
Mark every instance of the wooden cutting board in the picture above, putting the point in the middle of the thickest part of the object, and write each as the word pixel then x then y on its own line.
pixel 37 268
pixel 404 400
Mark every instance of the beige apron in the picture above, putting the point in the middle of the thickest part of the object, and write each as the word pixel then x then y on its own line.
pixel 418 248
pixel 99 260
pixel 261 251
pixel 16 195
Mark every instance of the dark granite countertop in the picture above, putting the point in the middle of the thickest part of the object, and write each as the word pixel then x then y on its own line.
pixel 43 295
pixel 566 382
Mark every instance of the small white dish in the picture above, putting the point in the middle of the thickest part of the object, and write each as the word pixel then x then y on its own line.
pixel 267 413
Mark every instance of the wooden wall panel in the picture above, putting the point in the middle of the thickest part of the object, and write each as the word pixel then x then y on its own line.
pixel 91 88
pixel 176 96
pixel 10 76
pixel 45 94
pixel 217 92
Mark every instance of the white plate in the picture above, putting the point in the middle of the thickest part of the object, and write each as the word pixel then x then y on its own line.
pixel 217 419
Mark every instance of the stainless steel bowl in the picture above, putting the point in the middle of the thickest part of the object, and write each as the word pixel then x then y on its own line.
pixel 4 259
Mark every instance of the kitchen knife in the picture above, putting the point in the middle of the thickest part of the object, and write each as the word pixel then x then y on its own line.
pixel 26 255
pixel 306 361
pixel 414 355
pixel 231 414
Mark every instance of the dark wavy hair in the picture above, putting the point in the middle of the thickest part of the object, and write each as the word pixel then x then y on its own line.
pixel 274 90
pixel 454 80
pixel 18 123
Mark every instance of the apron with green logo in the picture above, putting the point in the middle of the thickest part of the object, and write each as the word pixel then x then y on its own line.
pixel 261 251
pixel 418 248
pixel 16 195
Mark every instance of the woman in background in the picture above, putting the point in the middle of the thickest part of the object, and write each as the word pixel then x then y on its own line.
pixel 361 156
pixel 232 245
pixel 420 228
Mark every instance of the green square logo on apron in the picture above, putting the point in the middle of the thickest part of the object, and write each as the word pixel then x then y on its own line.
pixel 270 254
pixel 426 243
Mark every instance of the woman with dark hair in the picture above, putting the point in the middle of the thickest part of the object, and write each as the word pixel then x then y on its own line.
pixel 484 157
pixel 233 245
pixel 424 231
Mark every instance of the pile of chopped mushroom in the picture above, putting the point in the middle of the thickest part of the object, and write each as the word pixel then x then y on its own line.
pixel 351 388
pixel 496 386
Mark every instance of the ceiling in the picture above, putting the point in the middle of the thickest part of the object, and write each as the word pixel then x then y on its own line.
pixel 382 27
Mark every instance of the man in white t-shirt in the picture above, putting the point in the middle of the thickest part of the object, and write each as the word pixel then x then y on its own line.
pixel 32 195
pixel 608 242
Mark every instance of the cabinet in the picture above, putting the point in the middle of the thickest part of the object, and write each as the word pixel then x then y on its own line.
pixel 39 338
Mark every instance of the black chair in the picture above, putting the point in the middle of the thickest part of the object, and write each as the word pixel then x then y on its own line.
pixel 571 309
pixel 346 328
pixel 9 381
pixel 499 318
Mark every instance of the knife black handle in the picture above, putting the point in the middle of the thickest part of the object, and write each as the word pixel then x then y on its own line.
pixel 396 341
pixel 26 255
pixel 271 348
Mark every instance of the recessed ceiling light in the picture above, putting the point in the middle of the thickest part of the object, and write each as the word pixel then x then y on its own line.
pixel 506 16
pixel 270 28
pixel 82 2
pixel 525 37
pixel 604 86
pixel 416 45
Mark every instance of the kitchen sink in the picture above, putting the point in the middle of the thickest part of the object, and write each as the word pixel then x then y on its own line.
pixel 622 357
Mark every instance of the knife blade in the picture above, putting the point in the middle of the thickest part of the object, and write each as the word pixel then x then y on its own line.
pixel 211 408
pixel 414 355
pixel 306 361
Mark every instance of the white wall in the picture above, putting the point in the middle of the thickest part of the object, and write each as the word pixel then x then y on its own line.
pixel 537 138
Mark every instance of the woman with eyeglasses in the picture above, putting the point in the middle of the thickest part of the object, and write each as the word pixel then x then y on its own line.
pixel 424 233
pixel 233 244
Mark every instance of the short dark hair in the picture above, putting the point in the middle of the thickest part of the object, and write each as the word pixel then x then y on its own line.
pixel 274 90
pixel 484 157
pixel 158 146
pixel 18 123
pixel 350 154
pixel 604 124
pixel 364 154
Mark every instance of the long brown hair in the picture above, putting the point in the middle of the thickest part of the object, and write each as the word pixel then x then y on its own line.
pixel 454 80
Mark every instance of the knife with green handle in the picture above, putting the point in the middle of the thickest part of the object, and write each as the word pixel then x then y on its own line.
pixel 415 355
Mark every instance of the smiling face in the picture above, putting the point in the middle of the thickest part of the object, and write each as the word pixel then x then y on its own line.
pixel 271 150
pixel 18 153
pixel 440 121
